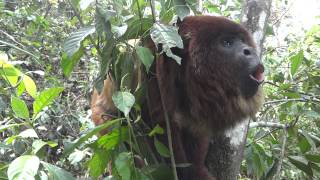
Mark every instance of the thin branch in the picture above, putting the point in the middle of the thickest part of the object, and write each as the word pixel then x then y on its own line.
pixel 290 90
pixel 267 124
pixel 289 100
pixel 11 38
pixel 166 117
pixel 16 47
pixel 153 12
pixel 283 147
pixel 140 15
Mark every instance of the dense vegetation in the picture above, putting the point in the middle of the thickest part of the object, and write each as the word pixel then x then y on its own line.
pixel 52 53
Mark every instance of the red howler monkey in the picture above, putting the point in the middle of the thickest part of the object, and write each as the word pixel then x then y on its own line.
pixel 216 86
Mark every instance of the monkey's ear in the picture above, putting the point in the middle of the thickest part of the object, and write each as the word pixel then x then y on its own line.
pixel 179 21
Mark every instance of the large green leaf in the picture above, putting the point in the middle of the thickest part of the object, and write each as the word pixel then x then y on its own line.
pixel 137 27
pixel 73 49
pixel 19 107
pixel 68 64
pixel 99 162
pixel 30 85
pixel 123 101
pixel 167 36
pixel 37 145
pixel 313 157
pixel 145 56
pixel 301 163
pixel 103 15
pixel 23 167
pixel 45 98
pixel 73 43
pixel 161 148
pixel 156 130
pixel 56 173
pixel 124 163
pixel 76 143
pixel 111 140
pixel 296 61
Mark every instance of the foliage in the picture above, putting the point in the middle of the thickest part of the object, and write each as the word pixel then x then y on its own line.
pixel 292 100
pixel 43 106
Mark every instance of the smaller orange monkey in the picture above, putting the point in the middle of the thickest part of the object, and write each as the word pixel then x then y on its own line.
pixel 102 106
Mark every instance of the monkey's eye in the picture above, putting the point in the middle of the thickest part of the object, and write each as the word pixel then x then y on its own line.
pixel 227 42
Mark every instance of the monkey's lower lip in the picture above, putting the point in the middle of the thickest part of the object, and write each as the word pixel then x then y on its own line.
pixel 257 75
pixel 259 81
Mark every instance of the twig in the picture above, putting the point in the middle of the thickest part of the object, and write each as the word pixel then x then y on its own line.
pixel 11 38
pixel 288 100
pixel 140 15
pixel 153 12
pixel 283 147
pixel 290 90
pixel 267 124
pixel 166 117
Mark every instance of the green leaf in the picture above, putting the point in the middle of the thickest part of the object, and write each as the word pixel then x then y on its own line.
pixel 123 101
pixel 313 157
pixel 160 171
pixel 111 140
pixel 303 144
pixel 30 86
pixel 145 56
pixel 301 163
pixel 37 145
pixel 19 107
pixel 44 99
pixel 309 139
pixel 4 127
pixel 73 43
pixel 167 36
pixel 76 156
pixel 57 173
pixel 156 130
pixel 161 148
pixel 296 61
pixel 99 162
pixel 28 133
pixel 124 164
pixel 76 143
pixel 73 49
pixel 23 167
pixel 137 27
pixel 181 8
pixel 124 70
pixel 9 71
pixel 68 64
pixel 20 89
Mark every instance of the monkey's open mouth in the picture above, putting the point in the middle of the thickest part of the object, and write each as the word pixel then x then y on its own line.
pixel 257 75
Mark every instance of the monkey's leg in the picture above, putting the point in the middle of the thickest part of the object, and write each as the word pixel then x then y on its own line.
pixel 199 154
pixel 179 152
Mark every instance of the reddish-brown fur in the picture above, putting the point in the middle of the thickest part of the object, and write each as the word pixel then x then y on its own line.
pixel 202 96
pixel 101 103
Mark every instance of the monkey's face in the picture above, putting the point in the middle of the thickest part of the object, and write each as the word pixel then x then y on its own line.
pixel 242 61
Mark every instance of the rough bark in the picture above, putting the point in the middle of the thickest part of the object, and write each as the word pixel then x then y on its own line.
pixel 226 150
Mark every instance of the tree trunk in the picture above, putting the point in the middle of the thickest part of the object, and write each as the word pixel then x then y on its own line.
pixel 226 150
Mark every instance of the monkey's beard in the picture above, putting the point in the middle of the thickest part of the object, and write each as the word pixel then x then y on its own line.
pixel 216 104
